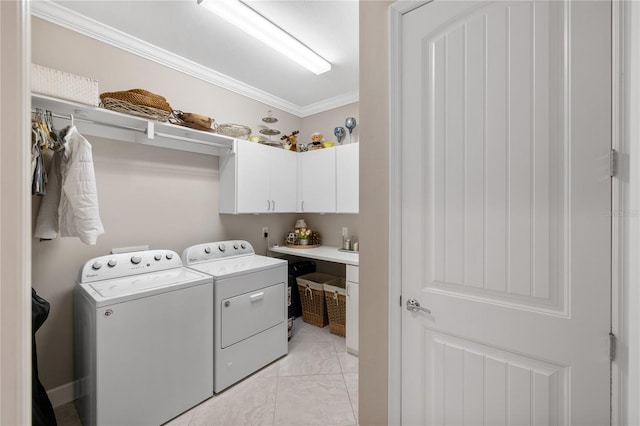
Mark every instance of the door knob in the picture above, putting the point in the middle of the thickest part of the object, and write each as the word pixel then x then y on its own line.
pixel 414 306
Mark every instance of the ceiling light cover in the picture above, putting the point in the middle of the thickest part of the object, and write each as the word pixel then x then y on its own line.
pixel 256 25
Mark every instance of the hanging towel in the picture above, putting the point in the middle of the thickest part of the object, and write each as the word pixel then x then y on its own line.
pixel 77 212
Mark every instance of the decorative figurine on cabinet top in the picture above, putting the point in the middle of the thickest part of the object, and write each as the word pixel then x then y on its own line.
pixel 316 141
pixel 291 140
pixel 339 132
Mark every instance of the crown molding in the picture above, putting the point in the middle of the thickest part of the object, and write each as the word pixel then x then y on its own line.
pixel 327 104
pixel 59 15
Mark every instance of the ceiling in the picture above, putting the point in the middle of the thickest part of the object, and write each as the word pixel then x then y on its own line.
pixel 186 35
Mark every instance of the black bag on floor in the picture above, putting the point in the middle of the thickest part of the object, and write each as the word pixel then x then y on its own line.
pixel 298 269
pixel 41 409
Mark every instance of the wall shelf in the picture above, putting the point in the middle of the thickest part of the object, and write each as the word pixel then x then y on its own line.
pixel 100 122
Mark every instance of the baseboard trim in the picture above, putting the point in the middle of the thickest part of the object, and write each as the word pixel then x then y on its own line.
pixel 62 394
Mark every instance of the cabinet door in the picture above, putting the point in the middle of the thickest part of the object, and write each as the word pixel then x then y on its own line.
pixel 352 322
pixel 317 182
pixel 284 180
pixel 347 174
pixel 252 177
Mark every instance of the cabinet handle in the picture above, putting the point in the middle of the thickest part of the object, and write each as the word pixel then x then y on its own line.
pixel 256 297
pixel 302 206
pixel 268 205
pixel 348 288
pixel 274 205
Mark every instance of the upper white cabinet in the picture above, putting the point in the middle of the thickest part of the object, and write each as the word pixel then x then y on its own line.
pixel 347 175
pixel 317 181
pixel 258 179
pixel 261 179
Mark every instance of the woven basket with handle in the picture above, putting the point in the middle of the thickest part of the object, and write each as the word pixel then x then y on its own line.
pixel 336 301
pixel 138 102
pixel 311 291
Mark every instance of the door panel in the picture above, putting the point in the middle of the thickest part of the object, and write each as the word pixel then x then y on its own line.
pixel 283 187
pixel 505 138
pixel 469 381
pixel 493 189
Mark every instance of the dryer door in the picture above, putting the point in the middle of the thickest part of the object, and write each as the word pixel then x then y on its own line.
pixel 250 313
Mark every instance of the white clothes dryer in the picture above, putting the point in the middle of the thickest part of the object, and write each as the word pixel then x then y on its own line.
pixel 143 338
pixel 249 307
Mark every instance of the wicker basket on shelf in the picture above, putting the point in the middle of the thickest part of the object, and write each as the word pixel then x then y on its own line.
pixel 139 102
pixel 312 298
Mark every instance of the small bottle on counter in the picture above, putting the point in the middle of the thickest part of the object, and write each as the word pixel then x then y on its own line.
pixel 346 244
pixel 356 247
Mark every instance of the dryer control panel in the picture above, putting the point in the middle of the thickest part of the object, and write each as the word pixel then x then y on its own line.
pixel 127 264
pixel 216 251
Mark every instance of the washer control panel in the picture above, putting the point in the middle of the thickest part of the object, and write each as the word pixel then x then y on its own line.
pixel 126 264
pixel 216 251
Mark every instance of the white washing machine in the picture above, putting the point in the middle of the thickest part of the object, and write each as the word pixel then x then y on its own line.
pixel 249 307
pixel 143 338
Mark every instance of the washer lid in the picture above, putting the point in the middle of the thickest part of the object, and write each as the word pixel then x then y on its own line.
pixel 143 285
pixel 226 268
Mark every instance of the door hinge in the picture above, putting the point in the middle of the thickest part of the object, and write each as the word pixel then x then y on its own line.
pixel 613 163
pixel 401 301
pixel 612 347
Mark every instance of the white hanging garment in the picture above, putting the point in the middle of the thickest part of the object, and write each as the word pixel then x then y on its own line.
pixel 77 212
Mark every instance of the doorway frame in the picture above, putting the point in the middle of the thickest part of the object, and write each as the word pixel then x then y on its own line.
pixel 625 206
pixel 15 215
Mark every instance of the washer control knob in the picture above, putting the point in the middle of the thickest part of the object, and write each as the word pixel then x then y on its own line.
pixel 96 266
pixel 207 250
pixel 243 245
pixel 169 256
pixel 111 263
pixel 222 247
pixel 235 246
pixel 136 259
pixel 158 257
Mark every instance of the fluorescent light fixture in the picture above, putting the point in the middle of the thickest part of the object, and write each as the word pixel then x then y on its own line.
pixel 256 25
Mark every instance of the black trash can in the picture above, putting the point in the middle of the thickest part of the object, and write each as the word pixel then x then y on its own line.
pixel 297 269
pixel 41 409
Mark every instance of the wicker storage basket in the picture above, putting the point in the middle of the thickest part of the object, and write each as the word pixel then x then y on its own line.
pixel 336 300
pixel 312 297
pixel 60 84
pixel 133 109
pixel 138 102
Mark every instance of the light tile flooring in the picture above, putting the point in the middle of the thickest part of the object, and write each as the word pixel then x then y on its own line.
pixel 315 384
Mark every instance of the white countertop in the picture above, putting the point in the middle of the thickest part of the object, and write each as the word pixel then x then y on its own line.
pixel 328 253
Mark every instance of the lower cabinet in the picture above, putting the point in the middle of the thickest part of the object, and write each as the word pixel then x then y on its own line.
pixel 352 322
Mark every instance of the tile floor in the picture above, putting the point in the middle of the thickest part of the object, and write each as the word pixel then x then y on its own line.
pixel 315 384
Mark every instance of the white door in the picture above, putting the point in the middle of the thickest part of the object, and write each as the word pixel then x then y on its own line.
pixel 505 237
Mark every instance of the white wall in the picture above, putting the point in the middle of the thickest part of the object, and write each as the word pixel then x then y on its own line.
pixel 147 195
pixel 374 213
pixel 325 122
